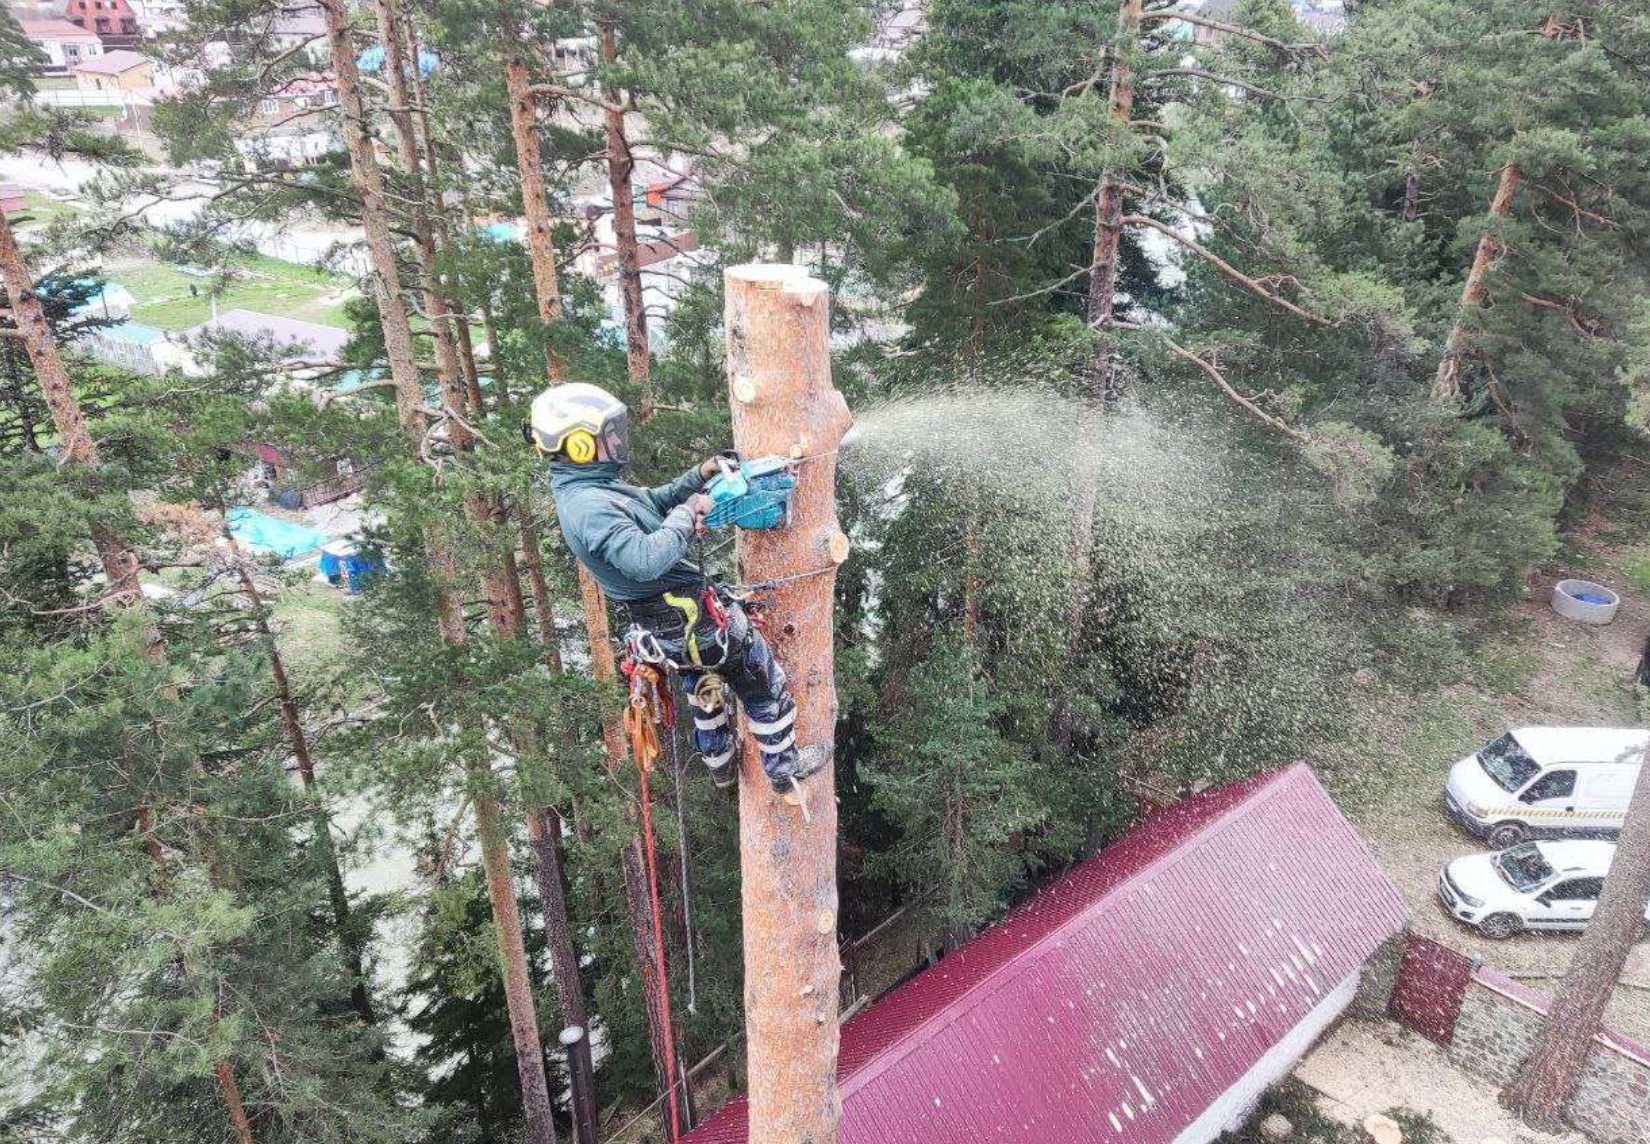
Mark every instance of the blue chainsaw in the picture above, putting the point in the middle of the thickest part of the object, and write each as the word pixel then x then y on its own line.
pixel 752 494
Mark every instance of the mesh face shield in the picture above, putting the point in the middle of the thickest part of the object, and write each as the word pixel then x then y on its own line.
pixel 615 437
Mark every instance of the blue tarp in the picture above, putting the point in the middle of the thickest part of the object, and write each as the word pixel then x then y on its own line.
pixel 372 61
pixel 272 534
pixel 347 568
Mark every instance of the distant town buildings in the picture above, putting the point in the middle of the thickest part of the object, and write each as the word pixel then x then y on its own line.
pixel 65 44
pixel 119 70
pixel 289 129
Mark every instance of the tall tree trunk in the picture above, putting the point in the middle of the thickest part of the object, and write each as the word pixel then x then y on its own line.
pixel 541 249
pixel 620 167
pixel 544 830
pixel 350 938
pixel 1446 385
pixel 532 557
pixel 120 563
pixel 1549 1077
pixel 535 205
pixel 779 381
pixel 398 344
pixel 1102 380
pixel 1108 215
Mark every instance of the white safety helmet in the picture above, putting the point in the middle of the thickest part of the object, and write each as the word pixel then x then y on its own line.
pixel 580 422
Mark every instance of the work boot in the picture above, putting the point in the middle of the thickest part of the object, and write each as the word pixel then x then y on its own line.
pixel 789 770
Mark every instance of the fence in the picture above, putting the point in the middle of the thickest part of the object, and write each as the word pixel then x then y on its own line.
pixel 1488 1024
pixel 1431 984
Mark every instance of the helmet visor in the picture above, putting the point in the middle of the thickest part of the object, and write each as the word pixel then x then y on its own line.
pixel 616 437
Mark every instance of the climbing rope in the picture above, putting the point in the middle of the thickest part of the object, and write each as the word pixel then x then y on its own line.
pixel 648 704
pixel 682 859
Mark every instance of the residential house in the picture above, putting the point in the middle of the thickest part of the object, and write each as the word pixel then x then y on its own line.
pixel 119 70
pixel 291 127
pixel 65 44
pixel 1150 995
pixel 301 25
pixel 113 20
pixel 159 17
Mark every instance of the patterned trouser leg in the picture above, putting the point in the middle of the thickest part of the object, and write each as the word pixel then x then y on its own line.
pixel 749 669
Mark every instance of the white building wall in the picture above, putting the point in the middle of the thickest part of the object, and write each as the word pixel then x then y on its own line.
pixel 1229 1111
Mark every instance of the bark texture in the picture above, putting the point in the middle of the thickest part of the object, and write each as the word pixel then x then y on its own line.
pixel 1446 385
pixel 375 220
pixel 620 167
pixel 1549 1077
pixel 535 206
pixel 1108 216
pixel 120 563
pixel 779 380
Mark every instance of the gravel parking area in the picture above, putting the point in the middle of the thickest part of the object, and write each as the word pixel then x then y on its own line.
pixel 1541 669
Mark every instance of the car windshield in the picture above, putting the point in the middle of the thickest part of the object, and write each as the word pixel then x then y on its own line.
pixel 1505 762
pixel 1523 867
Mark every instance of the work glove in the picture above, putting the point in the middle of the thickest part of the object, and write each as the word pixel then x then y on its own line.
pixel 712 464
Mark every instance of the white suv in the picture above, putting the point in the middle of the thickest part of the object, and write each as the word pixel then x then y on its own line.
pixel 1537 886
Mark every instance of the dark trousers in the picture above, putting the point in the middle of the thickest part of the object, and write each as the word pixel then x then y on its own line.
pixel 744 661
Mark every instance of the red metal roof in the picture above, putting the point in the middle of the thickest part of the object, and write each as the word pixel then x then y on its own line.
pixel 1119 1002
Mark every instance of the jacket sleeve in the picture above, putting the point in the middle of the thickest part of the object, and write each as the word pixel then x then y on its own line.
pixel 667 496
pixel 637 555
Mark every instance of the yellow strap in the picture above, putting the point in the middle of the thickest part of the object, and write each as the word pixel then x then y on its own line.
pixel 689 607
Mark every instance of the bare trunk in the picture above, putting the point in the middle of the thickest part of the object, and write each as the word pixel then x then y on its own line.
pixel 1446 386
pixel 230 1093
pixel 1103 383
pixel 620 167
pixel 408 397
pixel 1548 1079
pixel 1412 194
pixel 375 220
pixel 534 203
pixel 543 603
pixel 349 935
pixel 120 563
pixel 544 829
pixel 779 381
pixel 518 984
pixel 1108 218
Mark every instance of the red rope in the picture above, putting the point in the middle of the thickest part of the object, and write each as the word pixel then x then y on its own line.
pixel 651 855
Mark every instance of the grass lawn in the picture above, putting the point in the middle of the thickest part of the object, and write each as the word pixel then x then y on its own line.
pixel 45 210
pixel 269 286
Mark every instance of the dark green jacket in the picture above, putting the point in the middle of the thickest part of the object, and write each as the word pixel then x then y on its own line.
pixel 633 540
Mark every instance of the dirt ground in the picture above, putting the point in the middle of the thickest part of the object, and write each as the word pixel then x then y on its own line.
pixel 1366 1067
pixel 1537 668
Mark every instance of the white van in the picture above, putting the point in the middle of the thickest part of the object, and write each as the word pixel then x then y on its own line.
pixel 1547 781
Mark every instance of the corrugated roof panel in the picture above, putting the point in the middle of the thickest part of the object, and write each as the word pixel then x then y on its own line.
pixel 1123 999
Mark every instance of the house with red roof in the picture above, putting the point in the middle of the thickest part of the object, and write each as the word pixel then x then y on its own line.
pixel 1150 995
pixel 65 44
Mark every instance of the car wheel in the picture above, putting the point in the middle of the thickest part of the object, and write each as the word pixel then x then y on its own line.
pixel 1500 926
pixel 1507 834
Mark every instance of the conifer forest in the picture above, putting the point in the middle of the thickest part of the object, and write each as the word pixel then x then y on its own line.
pixel 1229 381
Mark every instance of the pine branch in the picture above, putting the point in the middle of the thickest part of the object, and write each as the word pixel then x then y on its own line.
pixel 1317 49
pixel 1226 268
pixel 1231 81
pixel 1215 375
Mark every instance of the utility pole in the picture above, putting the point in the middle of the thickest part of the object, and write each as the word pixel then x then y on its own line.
pixel 779 383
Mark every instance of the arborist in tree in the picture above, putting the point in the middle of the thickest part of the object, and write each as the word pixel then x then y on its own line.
pixel 635 542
